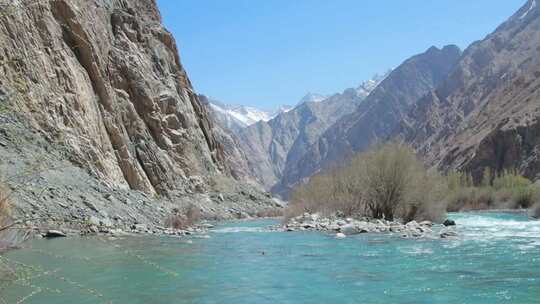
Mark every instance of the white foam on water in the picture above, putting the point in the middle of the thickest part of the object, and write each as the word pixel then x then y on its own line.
pixel 416 250
pixel 241 229
pixel 486 229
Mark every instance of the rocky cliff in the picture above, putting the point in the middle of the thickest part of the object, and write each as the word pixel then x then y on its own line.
pixel 486 113
pixel 376 117
pixel 96 90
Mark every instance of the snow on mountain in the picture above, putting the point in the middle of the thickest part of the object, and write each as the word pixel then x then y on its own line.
pixel 533 5
pixel 240 116
pixel 365 88
pixel 313 97
pixel 244 115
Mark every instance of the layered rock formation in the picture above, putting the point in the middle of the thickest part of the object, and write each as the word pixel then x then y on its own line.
pixel 486 113
pixel 376 117
pixel 99 84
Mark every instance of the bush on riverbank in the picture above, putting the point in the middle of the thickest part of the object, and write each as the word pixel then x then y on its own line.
pixel 184 219
pixel 506 190
pixel 387 182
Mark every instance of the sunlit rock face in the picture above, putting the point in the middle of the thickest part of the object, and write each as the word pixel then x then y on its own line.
pixel 104 79
pixel 485 114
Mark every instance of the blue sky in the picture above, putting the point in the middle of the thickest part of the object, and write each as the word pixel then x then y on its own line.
pixel 266 53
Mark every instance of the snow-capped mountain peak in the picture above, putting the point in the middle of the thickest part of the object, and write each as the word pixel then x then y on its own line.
pixel 244 116
pixel 365 88
pixel 312 97
pixel 249 115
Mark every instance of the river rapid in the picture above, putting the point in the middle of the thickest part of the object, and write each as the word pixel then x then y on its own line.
pixel 495 259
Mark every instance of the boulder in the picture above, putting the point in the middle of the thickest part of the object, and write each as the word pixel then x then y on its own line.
pixel 354 228
pixel 140 227
pixel 426 223
pixel 54 234
pixel 106 222
pixel 340 235
pixel 448 234
pixel 412 224
pixel 309 225
pixel 449 222
pixel 333 227
pixel 94 221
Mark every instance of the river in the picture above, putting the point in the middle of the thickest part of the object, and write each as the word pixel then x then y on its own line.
pixel 495 259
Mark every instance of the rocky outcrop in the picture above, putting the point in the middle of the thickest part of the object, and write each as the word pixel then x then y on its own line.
pixel 376 117
pixel 485 114
pixel 226 132
pixel 99 119
pixel 104 79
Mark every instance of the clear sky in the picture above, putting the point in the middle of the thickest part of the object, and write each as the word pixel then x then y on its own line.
pixel 266 53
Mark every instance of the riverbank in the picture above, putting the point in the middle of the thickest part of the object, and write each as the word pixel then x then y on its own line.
pixel 350 226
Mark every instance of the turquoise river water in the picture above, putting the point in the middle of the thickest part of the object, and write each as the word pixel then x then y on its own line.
pixel 496 259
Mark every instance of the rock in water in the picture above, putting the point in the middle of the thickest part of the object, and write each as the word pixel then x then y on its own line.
pixel 348 229
pixel 448 234
pixel 449 222
pixel 340 235
pixel 54 234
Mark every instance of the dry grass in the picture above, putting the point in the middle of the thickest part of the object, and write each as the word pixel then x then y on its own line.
pixel 270 213
pixel 387 182
pixel 506 190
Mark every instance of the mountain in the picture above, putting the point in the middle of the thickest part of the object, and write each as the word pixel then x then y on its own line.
pixel 312 97
pixel 99 119
pixel 225 129
pixel 271 146
pixel 366 87
pixel 237 117
pixel 376 117
pixel 486 112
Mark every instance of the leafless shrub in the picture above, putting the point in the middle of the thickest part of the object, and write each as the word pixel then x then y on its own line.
pixel 183 220
pixel 271 212
pixel 506 190
pixel 386 182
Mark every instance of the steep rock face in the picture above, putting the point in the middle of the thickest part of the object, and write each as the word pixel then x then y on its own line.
pixel 376 117
pixel 277 144
pixel 104 79
pixel 225 130
pixel 486 113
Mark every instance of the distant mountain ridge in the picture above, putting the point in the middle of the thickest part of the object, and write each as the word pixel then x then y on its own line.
pixel 482 110
pixel 312 97
pixel 486 113
pixel 375 118
pixel 236 117
pixel 273 145
pixel 460 110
